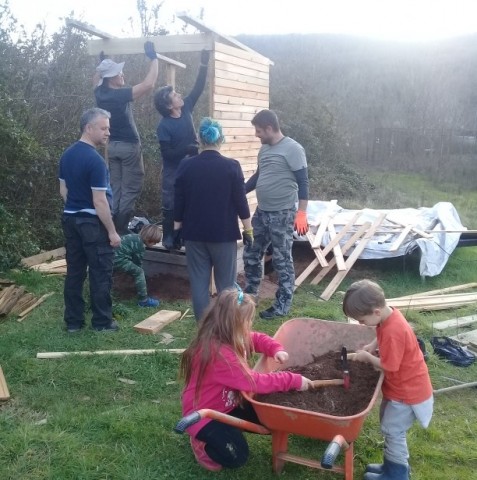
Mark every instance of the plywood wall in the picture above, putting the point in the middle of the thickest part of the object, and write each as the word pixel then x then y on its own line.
pixel 240 89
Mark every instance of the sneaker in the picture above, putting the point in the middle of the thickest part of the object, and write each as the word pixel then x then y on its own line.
pixel 269 314
pixel 149 302
pixel 112 327
pixel 201 456
pixel 74 328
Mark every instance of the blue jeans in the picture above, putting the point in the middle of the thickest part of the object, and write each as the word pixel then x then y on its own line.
pixel 87 249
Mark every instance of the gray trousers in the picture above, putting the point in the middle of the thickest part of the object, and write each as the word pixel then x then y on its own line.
pixel 126 169
pixel 275 228
pixel 201 257
pixel 396 419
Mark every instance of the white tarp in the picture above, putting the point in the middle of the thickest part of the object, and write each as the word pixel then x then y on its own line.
pixel 434 251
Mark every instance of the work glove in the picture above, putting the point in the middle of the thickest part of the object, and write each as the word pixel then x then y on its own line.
pixel 192 150
pixel 305 384
pixel 177 239
pixel 150 51
pixel 301 224
pixel 204 57
pixel 247 236
pixel 102 56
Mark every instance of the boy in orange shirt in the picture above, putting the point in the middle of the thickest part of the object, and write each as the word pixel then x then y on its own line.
pixel 407 390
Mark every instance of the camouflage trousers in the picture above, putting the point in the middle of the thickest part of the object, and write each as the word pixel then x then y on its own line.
pixel 137 273
pixel 275 228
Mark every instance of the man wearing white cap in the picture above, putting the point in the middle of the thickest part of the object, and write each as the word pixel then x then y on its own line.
pixel 124 150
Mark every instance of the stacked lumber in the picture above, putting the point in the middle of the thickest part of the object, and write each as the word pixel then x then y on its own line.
pixel 48 262
pixel 16 301
pixel 436 299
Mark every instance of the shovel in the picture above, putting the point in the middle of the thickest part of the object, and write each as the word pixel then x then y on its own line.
pixel 344 365
pixel 327 383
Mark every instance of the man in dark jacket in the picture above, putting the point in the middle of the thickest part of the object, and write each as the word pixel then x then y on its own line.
pixel 177 138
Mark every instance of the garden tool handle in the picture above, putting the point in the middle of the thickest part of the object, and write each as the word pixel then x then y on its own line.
pixel 333 450
pixel 185 422
pixel 327 383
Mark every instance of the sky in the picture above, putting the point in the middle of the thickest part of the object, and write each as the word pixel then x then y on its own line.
pixel 401 20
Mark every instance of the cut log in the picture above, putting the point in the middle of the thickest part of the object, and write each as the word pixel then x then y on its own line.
pixel 48 355
pixel 4 393
pixel 157 322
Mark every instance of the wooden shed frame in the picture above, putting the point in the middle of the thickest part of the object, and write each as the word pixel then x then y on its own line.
pixel 239 81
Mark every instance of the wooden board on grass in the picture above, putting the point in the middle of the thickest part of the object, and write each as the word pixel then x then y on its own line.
pixel 4 393
pixel 156 322
pixel 43 257
pixel 455 322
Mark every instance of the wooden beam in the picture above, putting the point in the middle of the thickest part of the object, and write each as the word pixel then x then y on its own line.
pixel 48 355
pixel 338 278
pixel 162 43
pixel 224 38
pixel 157 322
pixel 43 257
pixel 399 241
pixel 4 393
pixel 85 27
pixel 455 322
pixel 439 291
pixel 349 243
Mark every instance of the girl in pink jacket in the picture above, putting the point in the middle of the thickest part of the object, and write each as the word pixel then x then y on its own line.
pixel 215 368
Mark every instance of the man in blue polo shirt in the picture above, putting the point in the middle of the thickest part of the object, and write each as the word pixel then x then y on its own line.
pixel 90 235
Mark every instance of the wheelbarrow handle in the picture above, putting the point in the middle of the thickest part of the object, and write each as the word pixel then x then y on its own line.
pixel 333 450
pixel 185 422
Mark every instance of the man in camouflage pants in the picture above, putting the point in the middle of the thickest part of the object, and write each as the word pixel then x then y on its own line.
pixel 280 181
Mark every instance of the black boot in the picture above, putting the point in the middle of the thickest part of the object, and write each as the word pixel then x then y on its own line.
pixel 121 222
pixel 168 229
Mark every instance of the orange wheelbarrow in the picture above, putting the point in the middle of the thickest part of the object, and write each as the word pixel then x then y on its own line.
pixel 304 339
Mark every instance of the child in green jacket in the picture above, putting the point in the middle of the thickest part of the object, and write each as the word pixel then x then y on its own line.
pixel 128 258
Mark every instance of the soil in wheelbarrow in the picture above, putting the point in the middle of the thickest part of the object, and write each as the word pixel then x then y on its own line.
pixel 330 400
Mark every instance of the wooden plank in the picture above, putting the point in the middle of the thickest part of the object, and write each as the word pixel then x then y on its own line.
pixel 252 72
pixel 319 254
pixel 162 44
pixel 50 266
pixel 9 300
pixel 43 257
pixel 26 301
pixel 157 322
pixel 242 94
pixel 240 85
pixel 341 233
pixel 4 393
pixel 399 241
pixel 247 55
pixel 419 232
pixel 304 275
pixel 466 338
pixel 86 27
pixel 240 77
pixel 241 62
pixel 455 322
pixel 239 100
pixel 349 243
pixel 221 115
pixel 321 231
pixel 340 263
pixel 48 355
pixel 21 315
pixel 338 278
pixel 455 288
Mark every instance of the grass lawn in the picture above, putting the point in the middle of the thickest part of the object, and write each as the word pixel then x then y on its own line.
pixel 77 417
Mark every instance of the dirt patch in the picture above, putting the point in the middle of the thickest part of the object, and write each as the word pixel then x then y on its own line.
pixel 330 400
pixel 170 287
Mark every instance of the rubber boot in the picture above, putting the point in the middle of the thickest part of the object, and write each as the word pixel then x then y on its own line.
pixel 168 229
pixel 390 471
pixel 121 222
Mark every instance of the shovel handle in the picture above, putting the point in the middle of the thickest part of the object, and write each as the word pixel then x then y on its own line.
pixel 327 383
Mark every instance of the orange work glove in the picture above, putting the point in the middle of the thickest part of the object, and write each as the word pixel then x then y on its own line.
pixel 301 224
